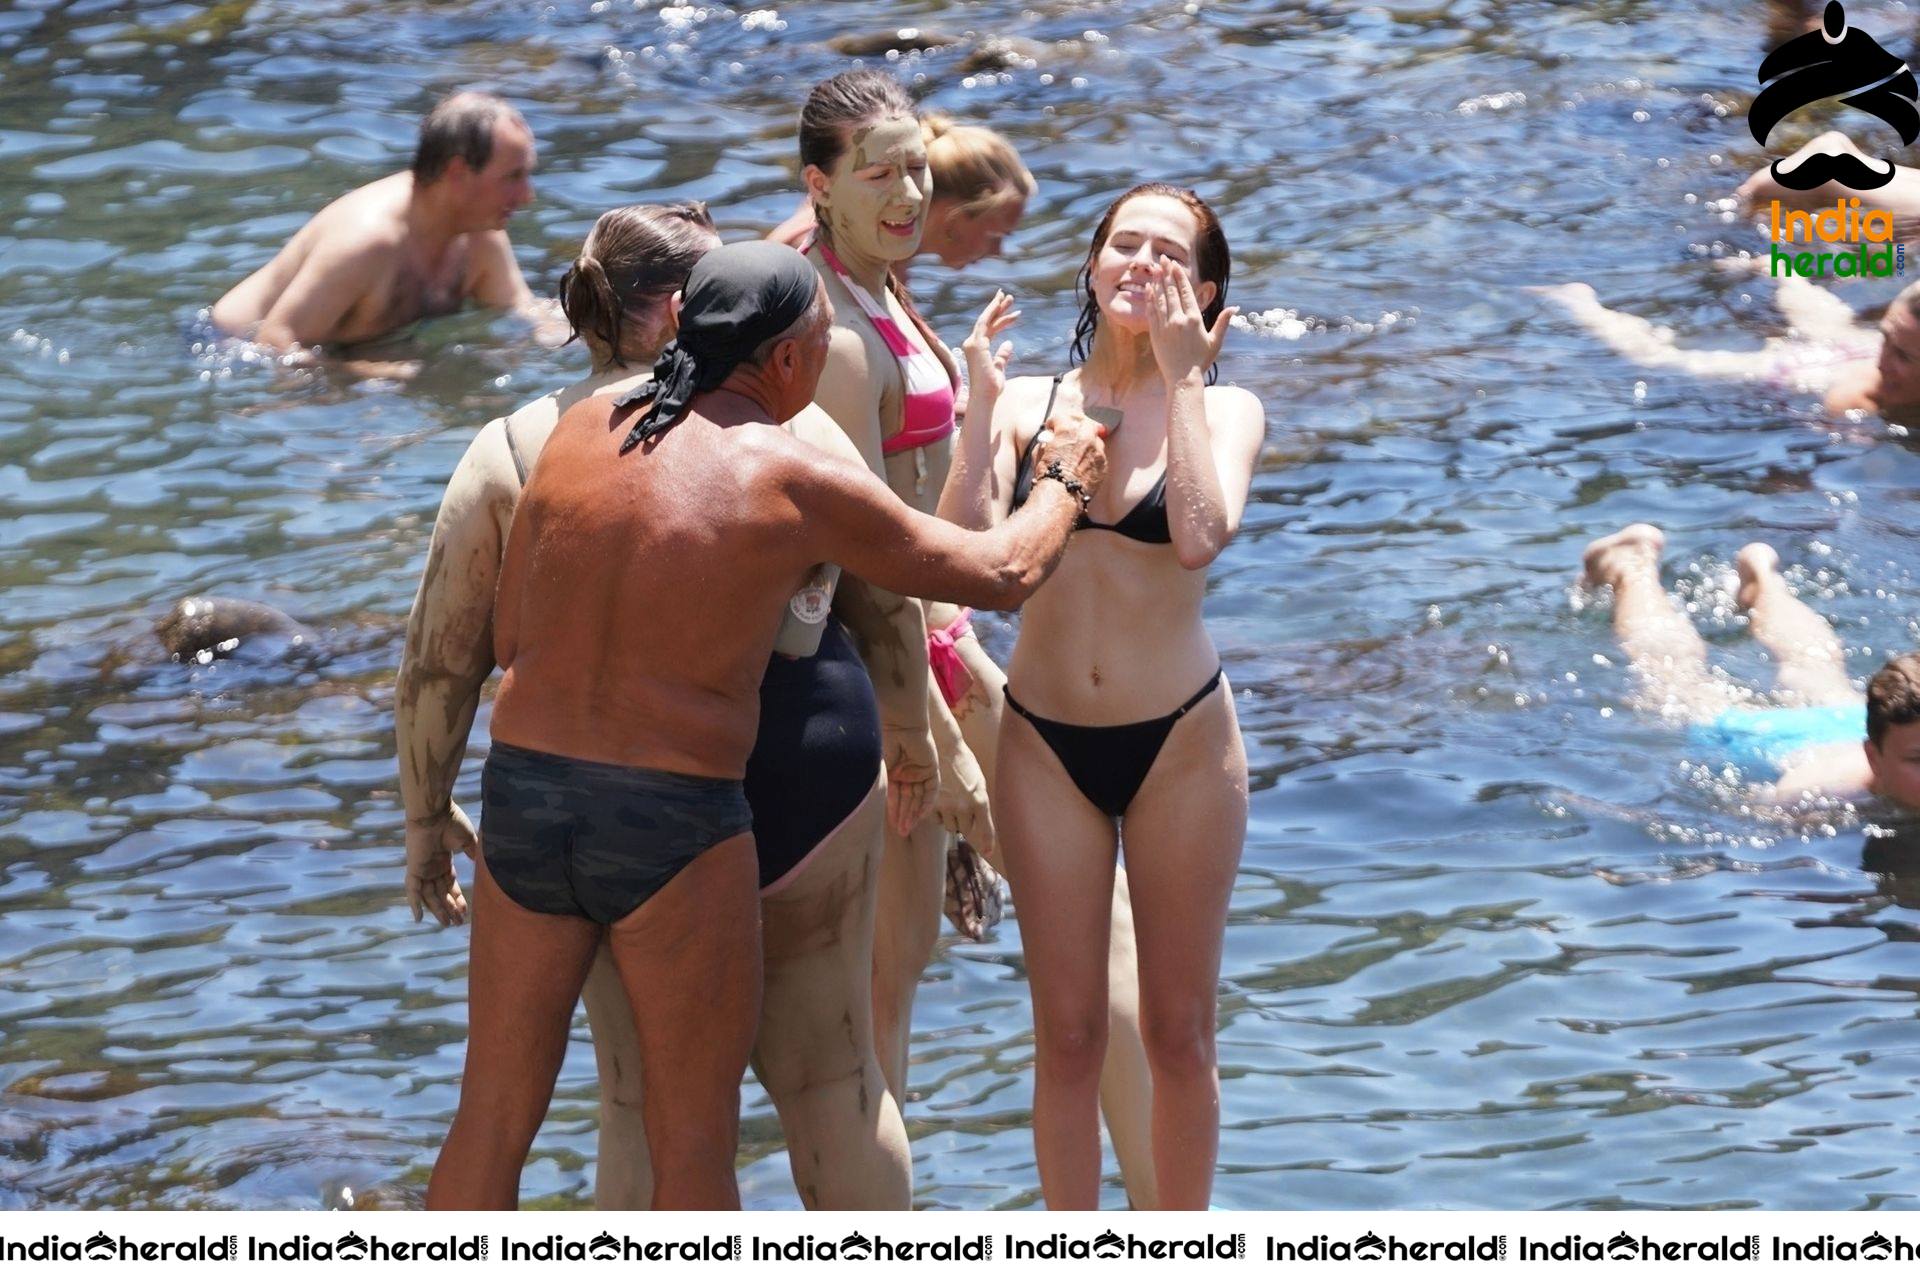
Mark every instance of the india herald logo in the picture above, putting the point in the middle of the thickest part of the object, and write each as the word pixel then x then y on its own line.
pixel 1830 62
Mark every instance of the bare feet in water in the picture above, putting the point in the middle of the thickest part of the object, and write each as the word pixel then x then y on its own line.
pixel 1609 559
pixel 1759 567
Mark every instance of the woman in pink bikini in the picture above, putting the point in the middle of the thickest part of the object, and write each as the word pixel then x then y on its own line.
pixel 892 387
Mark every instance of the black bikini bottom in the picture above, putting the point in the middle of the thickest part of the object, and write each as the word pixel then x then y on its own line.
pixel 585 838
pixel 1108 763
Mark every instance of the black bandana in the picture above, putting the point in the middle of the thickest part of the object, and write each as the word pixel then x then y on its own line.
pixel 737 297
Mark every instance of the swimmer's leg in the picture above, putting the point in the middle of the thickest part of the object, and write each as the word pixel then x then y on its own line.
pixel 815 1050
pixel 1126 1083
pixel 524 974
pixel 1812 662
pixel 690 960
pixel 1641 341
pixel 623 1174
pixel 1660 641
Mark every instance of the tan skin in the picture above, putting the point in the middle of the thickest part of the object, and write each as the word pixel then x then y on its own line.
pixel 878 213
pixel 1670 660
pixel 1081 659
pixel 690 956
pixel 393 252
pixel 813 1051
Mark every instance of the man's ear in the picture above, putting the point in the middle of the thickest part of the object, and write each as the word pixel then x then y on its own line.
pixel 673 307
pixel 1873 757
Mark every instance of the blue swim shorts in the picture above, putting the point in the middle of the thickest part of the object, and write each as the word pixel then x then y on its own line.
pixel 1759 740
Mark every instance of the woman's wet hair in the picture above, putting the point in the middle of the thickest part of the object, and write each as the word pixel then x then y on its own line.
pixel 461 125
pixel 1211 261
pixel 635 255
pixel 973 166
pixel 833 110
pixel 836 107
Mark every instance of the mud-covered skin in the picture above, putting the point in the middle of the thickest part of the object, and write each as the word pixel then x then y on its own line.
pixel 881 178
pixel 200 629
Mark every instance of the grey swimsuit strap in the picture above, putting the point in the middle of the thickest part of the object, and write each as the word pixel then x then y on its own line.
pixel 513 448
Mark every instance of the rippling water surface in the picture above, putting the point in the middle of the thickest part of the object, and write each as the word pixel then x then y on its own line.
pixel 1492 945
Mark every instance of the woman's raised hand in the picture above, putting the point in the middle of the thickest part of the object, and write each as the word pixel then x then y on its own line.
pixel 987 368
pixel 1182 343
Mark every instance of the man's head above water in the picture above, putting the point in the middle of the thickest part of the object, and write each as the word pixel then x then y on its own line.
pixel 1893 731
pixel 477 147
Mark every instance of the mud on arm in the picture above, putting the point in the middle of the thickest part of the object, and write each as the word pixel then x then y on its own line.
pixel 448 657
pixel 890 629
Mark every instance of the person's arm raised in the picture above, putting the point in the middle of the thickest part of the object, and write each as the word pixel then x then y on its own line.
pixel 969 496
pixel 850 518
pixel 1210 452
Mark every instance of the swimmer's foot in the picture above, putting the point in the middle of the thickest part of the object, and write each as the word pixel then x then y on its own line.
pixel 1576 296
pixel 1635 549
pixel 1759 567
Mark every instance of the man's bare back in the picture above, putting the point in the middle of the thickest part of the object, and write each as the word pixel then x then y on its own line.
pixel 402 248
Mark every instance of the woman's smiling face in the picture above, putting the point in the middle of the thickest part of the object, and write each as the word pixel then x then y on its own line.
pixel 1145 229
pixel 875 201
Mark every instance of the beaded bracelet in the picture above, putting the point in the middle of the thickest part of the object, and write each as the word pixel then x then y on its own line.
pixel 1054 471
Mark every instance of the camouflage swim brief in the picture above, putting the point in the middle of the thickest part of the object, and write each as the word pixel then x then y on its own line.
pixel 584 838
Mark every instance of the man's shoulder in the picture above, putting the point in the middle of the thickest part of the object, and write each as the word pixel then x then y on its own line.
pixel 367 220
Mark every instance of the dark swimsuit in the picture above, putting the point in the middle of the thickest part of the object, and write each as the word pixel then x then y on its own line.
pixel 1108 763
pixel 814 759
pixel 816 756
pixel 586 838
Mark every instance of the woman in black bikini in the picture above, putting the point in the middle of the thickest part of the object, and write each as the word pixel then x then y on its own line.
pixel 1125 731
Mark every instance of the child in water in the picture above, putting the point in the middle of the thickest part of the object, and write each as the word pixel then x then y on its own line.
pixel 1816 736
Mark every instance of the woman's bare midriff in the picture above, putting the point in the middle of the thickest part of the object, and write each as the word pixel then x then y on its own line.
pixel 1115 636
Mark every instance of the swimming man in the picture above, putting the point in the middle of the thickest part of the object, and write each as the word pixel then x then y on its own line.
pixel 413 244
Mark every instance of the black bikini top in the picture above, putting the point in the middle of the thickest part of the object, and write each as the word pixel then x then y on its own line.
pixel 1146 523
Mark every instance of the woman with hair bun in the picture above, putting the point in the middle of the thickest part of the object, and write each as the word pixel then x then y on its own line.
pixel 1124 734
pixel 813 783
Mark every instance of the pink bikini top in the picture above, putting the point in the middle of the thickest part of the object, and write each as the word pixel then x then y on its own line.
pixel 927 416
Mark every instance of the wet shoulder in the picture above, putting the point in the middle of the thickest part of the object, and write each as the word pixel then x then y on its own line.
pixel 369 218
pixel 1023 404
pixel 1230 405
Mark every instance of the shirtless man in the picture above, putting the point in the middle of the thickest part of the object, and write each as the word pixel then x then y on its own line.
pixel 645 574
pixel 411 245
